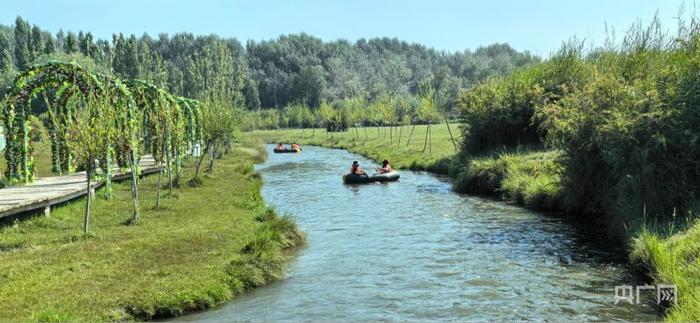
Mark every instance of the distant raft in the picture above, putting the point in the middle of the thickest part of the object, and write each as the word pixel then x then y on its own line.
pixel 286 150
pixel 364 179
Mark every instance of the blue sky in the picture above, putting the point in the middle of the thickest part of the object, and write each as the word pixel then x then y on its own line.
pixel 536 25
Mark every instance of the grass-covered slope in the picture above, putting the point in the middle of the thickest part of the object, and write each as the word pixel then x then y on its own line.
pixel 531 179
pixel 674 260
pixel 203 246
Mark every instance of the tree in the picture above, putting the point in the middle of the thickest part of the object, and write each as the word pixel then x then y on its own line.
pixel 290 69
pixel 376 112
pixel 71 43
pixel 49 45
pixel 355 114
pixel 404 114
pixel 86 45
pixel 327 116
pixel 91 135
pixel 309 86
pixel 427 111
pixel 5 56
pixel 389 117
pixel 61 39
pixel 126 61
pixel 219 124
pixel 250 91
pixel 36 47
pixel 127 139
pixel 22 43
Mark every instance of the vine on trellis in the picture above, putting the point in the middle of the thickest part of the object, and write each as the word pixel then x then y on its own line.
pixel 145 117
pixel 142 108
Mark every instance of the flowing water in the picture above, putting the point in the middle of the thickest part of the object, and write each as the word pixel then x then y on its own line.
pixel 413 250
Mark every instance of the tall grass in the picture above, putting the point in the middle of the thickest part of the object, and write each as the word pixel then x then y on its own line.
pixel 624 119
pixel 529 178
pixel 673 260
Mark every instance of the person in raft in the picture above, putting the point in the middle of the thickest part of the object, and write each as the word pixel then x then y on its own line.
pixel 296 146
pixel 356 170
pixel 280 146
pixel 386 167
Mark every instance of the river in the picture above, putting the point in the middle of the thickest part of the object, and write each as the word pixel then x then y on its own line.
pixel 415 250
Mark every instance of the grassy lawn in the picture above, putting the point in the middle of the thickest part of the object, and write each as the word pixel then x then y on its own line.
pixel 379 143
pixel 202 247
pixel 42 159
pixel 42 153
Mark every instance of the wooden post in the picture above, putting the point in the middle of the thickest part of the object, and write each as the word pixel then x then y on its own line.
pixel 86 225
pixel 47 211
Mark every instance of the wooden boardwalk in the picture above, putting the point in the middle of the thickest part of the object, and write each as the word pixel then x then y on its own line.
pixel 47 191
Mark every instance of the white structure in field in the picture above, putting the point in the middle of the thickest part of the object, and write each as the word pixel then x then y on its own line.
pixel 2 138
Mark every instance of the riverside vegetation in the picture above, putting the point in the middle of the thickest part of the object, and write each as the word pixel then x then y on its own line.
pixel 608 135
pixel 53 87
pixel 201 247
pixel 397 144
pixel 129 262
pixel 623 121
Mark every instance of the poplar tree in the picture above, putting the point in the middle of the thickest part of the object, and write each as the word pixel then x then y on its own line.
pixel 22 43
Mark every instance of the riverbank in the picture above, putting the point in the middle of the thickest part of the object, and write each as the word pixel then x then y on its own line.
pixel 673 261
pixel 528 178
pixel 201 248
pixel 379 143
pixel 433 254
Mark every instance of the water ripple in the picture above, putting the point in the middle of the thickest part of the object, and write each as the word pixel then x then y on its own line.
pixel 414 250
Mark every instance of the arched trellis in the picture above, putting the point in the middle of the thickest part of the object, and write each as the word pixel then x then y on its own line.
pixel 62 81
pixel 141 108
pixel 171 125
pixel 66 87
pixel 162 109
pixel 193 125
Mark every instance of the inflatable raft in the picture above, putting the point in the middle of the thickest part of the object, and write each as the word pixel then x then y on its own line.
pixel 282 151
pixel 363 179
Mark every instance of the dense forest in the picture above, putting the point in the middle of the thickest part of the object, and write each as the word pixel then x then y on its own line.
pixel 292 69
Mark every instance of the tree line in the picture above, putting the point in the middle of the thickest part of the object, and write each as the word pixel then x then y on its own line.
pixel 294 69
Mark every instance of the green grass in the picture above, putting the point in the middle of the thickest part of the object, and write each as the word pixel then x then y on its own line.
pixel 673 260
pixel 42 153
pixel 530 179
pixel 42 160
pixel 379 144
pixel 202 247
